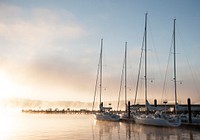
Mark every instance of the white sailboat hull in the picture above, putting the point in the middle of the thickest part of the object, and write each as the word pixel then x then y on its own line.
pixel 157 121
pixel 107 116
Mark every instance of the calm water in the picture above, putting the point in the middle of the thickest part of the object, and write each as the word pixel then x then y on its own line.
pixel 83 127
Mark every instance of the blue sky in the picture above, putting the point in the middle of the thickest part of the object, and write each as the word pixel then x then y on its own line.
pixel 49 50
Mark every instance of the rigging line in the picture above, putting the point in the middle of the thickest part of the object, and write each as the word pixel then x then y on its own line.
pixel 121 85
pixel 97 79
pixel 125 76
pixel 166 72
pixel 193 74
pixel 175 69
pixel 145 59
pixel 101 69
pixel 139 70
pixel 96 83
pixel 156 54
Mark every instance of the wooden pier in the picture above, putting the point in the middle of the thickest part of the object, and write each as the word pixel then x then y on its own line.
pixel 63 111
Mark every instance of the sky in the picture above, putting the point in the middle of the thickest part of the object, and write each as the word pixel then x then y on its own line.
pixel 49 49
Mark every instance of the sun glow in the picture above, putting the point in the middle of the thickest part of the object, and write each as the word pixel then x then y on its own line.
pixel 9 123
pixel 7 87
pixel 7 119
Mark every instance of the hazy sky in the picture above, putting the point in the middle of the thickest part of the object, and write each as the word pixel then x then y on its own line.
pixel 49 49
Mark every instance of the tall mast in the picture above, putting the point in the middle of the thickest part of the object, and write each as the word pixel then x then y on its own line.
pixel 175 87
pixel 145 61
pixel 101 61
pixel 125 76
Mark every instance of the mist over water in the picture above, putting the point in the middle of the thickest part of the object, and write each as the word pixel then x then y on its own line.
pixel 41 104
pixel 24 126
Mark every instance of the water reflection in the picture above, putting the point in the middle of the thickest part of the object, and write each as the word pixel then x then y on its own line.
pixel 106 130
pixel 83 127
pixel 8 123
pixel 129 131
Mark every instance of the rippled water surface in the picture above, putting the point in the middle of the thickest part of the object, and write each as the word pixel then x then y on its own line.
pixel 21 126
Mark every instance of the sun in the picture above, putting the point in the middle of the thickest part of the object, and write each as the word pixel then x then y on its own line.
pixel 7 87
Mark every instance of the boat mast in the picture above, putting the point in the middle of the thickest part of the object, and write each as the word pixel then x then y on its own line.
pixel 175 86
pixel 125 76
pixel 101 69
pixel 145 61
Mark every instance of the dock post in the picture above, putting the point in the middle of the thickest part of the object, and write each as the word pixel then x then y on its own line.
pixel 129 109
pixel 189 111
pixel 155 102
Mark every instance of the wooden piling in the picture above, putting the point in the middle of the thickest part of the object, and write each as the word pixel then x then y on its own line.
pixel 129 109
pixel 155 102
pixel 189 111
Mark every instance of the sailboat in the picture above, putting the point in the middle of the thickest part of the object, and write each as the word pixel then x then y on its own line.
pixel 159 118
pixel 104 113
pixel 124 116
pixel 183 117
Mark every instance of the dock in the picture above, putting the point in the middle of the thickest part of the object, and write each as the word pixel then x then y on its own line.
pixel 85 111
pixel 63 111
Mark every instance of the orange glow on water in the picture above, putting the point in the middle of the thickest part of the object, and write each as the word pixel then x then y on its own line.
pixel 9 123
